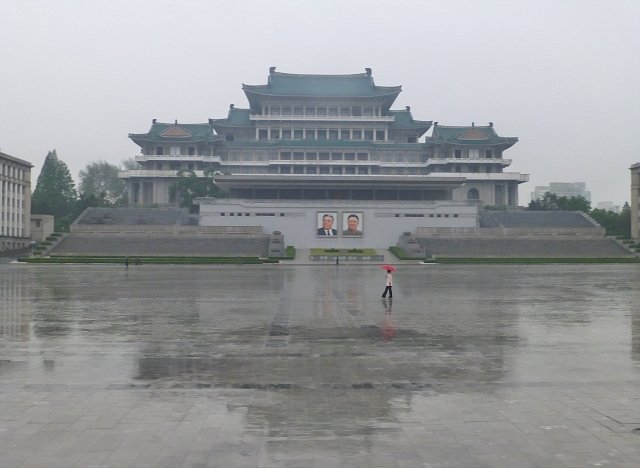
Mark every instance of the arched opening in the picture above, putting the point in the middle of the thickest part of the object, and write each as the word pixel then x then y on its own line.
pixel 473 194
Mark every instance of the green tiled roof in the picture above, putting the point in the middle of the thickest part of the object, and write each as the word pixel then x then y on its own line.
pixel 359 85
pixel 168 132
pixel 469 135
pixel 404 120
pixel 236 118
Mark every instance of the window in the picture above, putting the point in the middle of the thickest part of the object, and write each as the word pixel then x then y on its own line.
pixel 310 111
pixel 356 111
pixel 357 134
pixel 286 110
pixel 473 194
pixel 323 156
pixel 275 133
pixel 286 156
pixel 412 139
pixel 345 111
pixel 457 153
pixel 333 134
pixel 345 134
pixel 298 156
pixel 286 134
pixel 367 111
pixel 349 156
pixel 349 170
pixel 333 111
pixel 380 135
pixel 336 170
pixel 311 169
pixel 363 170
pixel 312 156
pixel 298 110
pixel 298 170
pixel 275 110
pixel 322 134
pixel 310 134
pixel 488 154
pixel 158 150
pixel 336 156
pixel 363 156
pixel 368 134
pixel 324 169
pixel 322 111
pixel 263 134
pixel 298 134
pixel 229 136
pixel 285 169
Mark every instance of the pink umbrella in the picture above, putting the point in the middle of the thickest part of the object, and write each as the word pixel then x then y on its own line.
pixel 389 267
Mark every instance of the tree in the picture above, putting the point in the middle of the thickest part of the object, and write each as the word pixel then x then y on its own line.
pixel 552 202
pixel 55 192
pixel 130 163
pixel 100 179
pixel 189 186
pixel 615 224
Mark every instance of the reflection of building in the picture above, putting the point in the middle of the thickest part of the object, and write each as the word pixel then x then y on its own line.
pixel 326 137
pixel 15 203
pixel 563 189
pixel 14 318
pixel 635 201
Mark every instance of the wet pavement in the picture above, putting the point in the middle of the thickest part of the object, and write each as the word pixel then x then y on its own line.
pixel 305 366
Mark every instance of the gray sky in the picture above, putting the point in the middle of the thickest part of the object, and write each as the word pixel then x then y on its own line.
pixel 562 75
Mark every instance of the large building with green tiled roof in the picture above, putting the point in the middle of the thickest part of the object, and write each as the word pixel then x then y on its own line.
pixel 326 137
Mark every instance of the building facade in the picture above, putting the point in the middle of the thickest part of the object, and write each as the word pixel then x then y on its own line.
pixel 635 201
pixel 325 137
pixel 562 189
pixel 15 203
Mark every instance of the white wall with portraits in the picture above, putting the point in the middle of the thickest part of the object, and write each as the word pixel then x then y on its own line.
pixel 339 224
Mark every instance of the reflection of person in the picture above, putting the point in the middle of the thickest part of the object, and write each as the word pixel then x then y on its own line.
pixel 352 226
pixel 388 285
pixel 327 226
pixel 389 329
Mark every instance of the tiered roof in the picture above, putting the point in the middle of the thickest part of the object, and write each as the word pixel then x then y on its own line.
pixel 359 85
pixel 469 135
pixel 403 120
pixel 167 132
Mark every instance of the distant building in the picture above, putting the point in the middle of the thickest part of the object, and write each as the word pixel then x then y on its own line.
pixel 608 206
pixel 562 189
pixel 635 201
pixel 326 137
pixel 15 203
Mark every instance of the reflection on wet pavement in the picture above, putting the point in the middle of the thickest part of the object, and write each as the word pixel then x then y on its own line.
pixel 307 366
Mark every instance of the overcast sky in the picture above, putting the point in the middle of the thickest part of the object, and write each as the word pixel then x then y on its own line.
pixel 562 75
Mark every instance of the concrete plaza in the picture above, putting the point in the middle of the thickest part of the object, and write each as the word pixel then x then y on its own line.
pixel 305 366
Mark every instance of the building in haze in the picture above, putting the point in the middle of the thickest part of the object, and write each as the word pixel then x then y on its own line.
pixel 635 201
pixel 562 189
pixel 15 203
pixel 326 137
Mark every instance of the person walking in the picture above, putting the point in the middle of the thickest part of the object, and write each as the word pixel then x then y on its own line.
pixel 388 285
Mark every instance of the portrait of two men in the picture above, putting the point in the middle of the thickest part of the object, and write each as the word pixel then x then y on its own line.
pixel 351 225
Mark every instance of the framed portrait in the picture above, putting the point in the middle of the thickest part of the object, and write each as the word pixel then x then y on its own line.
pixel 352 223
pixel 327 223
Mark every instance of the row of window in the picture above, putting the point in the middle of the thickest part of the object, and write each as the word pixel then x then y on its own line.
pixel 472 154
pixel 360 134
pixel 11 171
pixel 322 111
pixel 487 169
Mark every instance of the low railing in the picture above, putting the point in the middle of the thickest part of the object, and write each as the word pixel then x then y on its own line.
pixel 334 118
pixel 146 229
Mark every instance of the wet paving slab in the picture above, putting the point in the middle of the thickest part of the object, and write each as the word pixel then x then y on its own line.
pixel 306 366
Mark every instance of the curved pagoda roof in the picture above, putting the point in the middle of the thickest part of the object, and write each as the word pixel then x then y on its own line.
pixel 472 135
pixel 359 85
pixel 403 120
pixel 174 132
pixel 235 118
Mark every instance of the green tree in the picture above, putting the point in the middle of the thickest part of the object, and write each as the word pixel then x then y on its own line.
pixel 130 163
pixel 552 202
pixel 615 224
pixel 100 179
pixel 55 192
pixel 189 186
